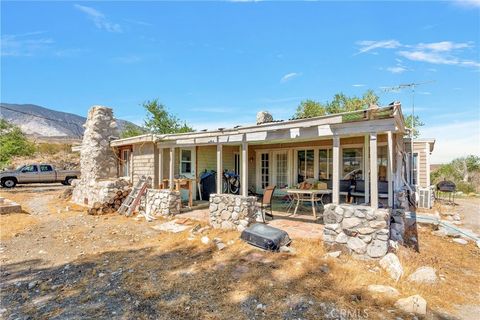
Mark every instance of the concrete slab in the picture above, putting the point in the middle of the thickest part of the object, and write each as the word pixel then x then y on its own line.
pixel 8 206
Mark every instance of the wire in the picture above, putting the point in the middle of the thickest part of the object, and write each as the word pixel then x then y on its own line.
pixel 77 126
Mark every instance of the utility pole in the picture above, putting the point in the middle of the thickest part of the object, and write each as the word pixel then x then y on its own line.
pixel 412 87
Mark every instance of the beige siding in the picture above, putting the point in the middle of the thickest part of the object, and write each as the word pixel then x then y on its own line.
pixel 423 171
pixel 145 162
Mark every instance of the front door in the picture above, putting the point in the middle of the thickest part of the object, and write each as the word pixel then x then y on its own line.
pixel 263 171
pixel 187 170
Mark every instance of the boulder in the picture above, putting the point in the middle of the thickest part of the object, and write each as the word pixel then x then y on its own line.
pixel 341 238
pixel 460 241
pixel 384 291
pixel 391 264
pixel 413 304
pixel 264 117
pixel 424 275
pixel 377 248
pixel 349 223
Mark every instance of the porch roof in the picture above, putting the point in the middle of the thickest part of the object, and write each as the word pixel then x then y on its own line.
pixel 383 119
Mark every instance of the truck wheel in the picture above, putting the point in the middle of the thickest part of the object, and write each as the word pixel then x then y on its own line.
pixel 9 183
pixel 68 180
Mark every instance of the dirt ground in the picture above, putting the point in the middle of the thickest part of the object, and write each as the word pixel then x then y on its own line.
pixel 57 262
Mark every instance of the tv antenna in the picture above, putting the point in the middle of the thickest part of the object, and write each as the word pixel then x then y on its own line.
pixel 411 86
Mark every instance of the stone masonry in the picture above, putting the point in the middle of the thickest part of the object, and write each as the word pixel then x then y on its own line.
pixel 97 159
pixel 359 230
pixel 235 212
pixel 163 202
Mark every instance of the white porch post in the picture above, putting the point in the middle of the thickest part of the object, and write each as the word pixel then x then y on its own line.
pixel 160 166
pixel 373 171
pixel 366 174
pixel 336 170
pixel 390 168
pixel 172 168
pixel 399 146
pixel 219 168
pixel 244 169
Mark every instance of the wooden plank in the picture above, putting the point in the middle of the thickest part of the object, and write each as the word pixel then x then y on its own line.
pixel 219 168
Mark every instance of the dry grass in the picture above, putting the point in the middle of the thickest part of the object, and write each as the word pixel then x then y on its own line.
pixel 14 223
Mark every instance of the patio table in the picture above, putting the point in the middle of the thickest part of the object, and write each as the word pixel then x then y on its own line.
pixel 308 195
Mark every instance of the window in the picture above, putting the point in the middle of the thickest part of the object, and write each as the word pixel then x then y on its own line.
pixel 352 163
pixel 30 169
pixel 237 163
pixel 186 161
pixel 414 169
pixel 325 167
pixel 281 174
pixel 305 165
pixel 45 168
pixel 264 170
pixel 382 163
pixel 125 169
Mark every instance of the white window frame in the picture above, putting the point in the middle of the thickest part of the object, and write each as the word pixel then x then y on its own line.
pixel 273 165
pixel 329 157
pixel 126 162
pixel 295 161
pixel 182 161
pixel 417 169
pixel 237 161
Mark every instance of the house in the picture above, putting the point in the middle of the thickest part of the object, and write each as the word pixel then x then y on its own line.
pixel 337 149
pixel 419 173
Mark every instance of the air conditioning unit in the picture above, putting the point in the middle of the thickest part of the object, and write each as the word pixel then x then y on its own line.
pixel 425 197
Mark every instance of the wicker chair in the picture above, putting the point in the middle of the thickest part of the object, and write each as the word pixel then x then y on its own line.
pixel 266 203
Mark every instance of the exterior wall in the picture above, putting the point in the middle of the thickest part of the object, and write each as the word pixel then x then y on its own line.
pixel 423 150
pixel 207 158
pixel 145 162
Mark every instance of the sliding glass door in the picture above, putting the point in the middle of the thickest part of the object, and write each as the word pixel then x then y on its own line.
pixel 305 165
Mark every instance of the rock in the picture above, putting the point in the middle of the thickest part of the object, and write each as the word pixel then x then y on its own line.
pixel 287 249
pixel 324 268
pixel 391 264
pixel 264 117
pixel 333 254
pixel 460 241
pixel 378 224
pixel 424 275
pixel 457 217
pixel 205 240
pixel 377 248
pixel 261 306
pixel 341 238
pixel 101 275
pixel 478 243
pixel 383 237
pixel 332 226
pixel 413 304
pixel 365 238
pixel 349 223
pixel 220 245
pixel 357 245
pixel 366 230
pixel 32 284
pixel 387 291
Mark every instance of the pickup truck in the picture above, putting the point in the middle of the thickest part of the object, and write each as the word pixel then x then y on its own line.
pixel 36 173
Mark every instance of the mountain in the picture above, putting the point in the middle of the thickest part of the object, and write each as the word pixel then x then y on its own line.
pixel 41 122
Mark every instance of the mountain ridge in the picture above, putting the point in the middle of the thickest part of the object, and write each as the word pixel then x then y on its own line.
pixel 42 122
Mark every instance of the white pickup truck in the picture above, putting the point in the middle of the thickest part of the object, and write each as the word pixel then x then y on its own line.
pixel 37 173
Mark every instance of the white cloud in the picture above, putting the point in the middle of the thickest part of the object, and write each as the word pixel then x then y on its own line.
pixel 397 69
pixel 453 140
pixel 26 44
pixel 437 58
pixel 99 19
pixel 290 76
pixel 468 3
pixel 358 85
pixel 443 46
pixel 368 45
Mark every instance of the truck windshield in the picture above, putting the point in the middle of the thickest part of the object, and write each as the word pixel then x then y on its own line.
pixel 19 168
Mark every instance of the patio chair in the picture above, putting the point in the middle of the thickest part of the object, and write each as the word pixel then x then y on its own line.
pixel 266 202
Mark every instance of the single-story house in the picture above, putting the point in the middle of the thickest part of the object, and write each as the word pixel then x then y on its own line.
pixel 338 149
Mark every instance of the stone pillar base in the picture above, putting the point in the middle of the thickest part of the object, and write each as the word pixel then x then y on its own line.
pixel 163 202
pixel 234 212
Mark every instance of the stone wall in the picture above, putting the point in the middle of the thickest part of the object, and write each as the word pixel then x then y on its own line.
pixel 162 202
pixel 235 212
pixel 359 230
pixel 97 159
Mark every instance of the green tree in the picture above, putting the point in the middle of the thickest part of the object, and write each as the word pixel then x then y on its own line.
pixel 160 121
pixel 13 142
pixel 130 130
pixel 340 103
pixel 464 171
pixel 414 122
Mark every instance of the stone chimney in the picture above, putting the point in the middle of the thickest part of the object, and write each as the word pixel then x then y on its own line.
pixel 264 117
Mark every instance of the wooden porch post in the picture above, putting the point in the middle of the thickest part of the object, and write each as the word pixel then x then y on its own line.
pixel 160 167
pixel 336 170
pixel 373 171
pixel 399 146
pixel 244 169
pixel 390 168
pixel 366 174
pixel 172 169
pixel 219 169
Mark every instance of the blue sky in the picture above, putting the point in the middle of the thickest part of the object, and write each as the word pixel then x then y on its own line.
pixel 215 64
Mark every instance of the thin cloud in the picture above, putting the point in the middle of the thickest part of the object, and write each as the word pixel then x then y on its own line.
pixel 369 45
pixel 468 3
pixel 139 22
pixel 397 69
pixel 25 44
pixel 289 76
pixel 437 58
pixel 443 46
pixel 359 85
pixel 99 19
pixel 127 59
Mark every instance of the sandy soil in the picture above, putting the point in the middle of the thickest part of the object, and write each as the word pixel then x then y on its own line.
pixel 60 263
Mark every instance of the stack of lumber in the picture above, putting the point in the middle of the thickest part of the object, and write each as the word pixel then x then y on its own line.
pixel 112 204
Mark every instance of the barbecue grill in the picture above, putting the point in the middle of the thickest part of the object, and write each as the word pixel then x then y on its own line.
pixel 446 189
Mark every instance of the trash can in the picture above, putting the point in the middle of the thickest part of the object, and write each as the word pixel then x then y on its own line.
pixel 208 183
